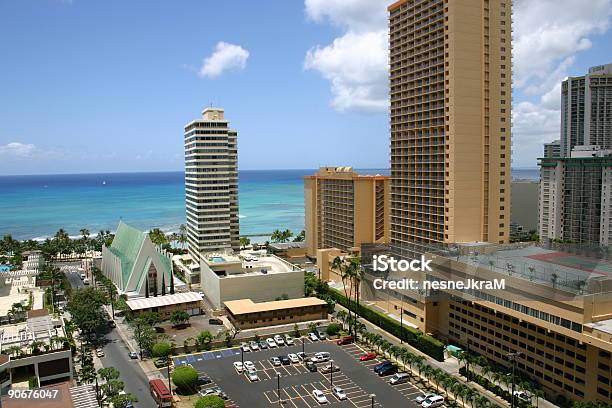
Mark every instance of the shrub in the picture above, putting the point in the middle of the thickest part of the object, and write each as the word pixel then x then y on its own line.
pixel 333 329
pixel 161 349
pixel 185 378
pixel 415 338
pixel 210 401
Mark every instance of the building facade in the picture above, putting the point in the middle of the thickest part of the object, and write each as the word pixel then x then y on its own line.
pixel 552 149
pixel 190 302
pixel 245 314
pixel 574 202
pixel 211 184
pixel 344 209
pixel 586 110
pixel 137 266
pixel 450 79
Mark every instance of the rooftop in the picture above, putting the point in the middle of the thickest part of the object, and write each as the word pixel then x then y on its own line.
pixel 243 306
pixel 160 301
pixel 287 245
pixel 603 325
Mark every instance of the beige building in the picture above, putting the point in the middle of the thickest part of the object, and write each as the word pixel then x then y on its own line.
pixel 245 314
pixel 344 209
pixel 558 316
pixel 450 79
pixel 190 302
pixel 211 184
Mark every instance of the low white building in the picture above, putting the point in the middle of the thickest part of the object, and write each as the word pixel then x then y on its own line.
pixel 263 278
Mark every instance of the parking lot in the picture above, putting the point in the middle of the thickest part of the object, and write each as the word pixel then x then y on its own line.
pixel 296 383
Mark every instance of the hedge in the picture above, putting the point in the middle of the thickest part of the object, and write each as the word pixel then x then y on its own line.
pixel 427 344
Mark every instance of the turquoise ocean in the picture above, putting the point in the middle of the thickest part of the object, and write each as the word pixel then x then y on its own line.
pixel 35 207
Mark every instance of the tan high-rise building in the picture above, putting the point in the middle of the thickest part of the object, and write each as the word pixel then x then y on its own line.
pixel 344 209
pixel 450 79
pixel 211 184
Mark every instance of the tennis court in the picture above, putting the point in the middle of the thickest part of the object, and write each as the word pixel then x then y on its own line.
pixel 576 261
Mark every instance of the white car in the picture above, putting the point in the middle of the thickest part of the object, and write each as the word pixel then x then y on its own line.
pixel 339 393
pixel 329 368
pixel 419 400
pixel 522 395
pixel 238 366
pixel 254 346
pixel 313 337
pixel 252 376
pixel 249 366
pixel 271 342
pixel 86 281
pixel 293 358
pixel 433 402
pixel 279 340
pixel 100 353
pixel 320 357
pixel 245 347
pixel 83 276
pixel 275 361
pixel 289 340
pixel 319 396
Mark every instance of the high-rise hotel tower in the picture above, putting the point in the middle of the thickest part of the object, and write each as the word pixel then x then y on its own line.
pixel 450 74
pixel 211 184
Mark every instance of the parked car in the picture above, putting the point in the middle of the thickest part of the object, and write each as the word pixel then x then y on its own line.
pixel 100 353
pixel 293 358
pixel 271 342
pixel 419 400
pixel 522 395
pixel 160 362
pixel 387 370
pixel 339 393
pixel 345 340
pixel 252 376
pixel 289 340
pixel 302 356
pixel 313 337
pixel 399 378
pixel 133 355
pixel 86 281
pixel 382 365
pixel 275 361
pixel 112 324
pixel 263 345
pixel 433 402
pixel 239 366
pixel 321 335
pixel 203 380
pixel 214 321
pixel 83 276
pixel 321 357
pixel 254 345
pixel 319 396
pixel 312 367
pixel 367 357
pixel 249 366
pixel 279 340
pixel 245 347
pixel 284 360
pixel 330 368
pixel 213 391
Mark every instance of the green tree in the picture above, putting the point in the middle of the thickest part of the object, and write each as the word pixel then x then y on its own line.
pixel 333 329
pixel 85 307
pixel 108 373
pixel 112 388
pixel 161 349
pixel 185 378
pixel 244 242
pixel 87 373
pixel 144 335
pixel 204 339
pixel 158 237
pixel 179 317
pixel 300 237
pixel 210 401
pixel 122 400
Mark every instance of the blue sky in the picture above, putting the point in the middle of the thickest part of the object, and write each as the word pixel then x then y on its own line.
pixel 96 86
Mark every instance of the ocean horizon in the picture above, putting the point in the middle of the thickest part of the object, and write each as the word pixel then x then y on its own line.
pixel 36 206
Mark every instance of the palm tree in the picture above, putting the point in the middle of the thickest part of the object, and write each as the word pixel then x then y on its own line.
pixel 538 393
pixel 458 389
pixel 419 362
pixel 428 372
pixel 438 376
pixel 448 383
pixel 482 402
pixel 468 394
pixel 553 279
pixel 182 235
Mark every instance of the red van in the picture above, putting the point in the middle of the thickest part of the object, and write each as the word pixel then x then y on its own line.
pixel 345 340
pixel 160 393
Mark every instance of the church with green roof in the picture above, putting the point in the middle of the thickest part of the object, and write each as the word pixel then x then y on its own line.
pixel 136 265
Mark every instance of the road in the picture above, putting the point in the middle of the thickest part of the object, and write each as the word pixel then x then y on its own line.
pixel 135 380
pixel 74 279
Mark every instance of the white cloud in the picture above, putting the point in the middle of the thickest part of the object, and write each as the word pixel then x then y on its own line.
pixel 225 57
pixel 17 149
pixel 356 66
pixel 355 63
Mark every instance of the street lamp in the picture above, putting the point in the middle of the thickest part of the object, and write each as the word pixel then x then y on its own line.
pixel 372 396
pixel 331 373
pixel 512 357
pixel 169 385
pixel 401 325
pixel 278 387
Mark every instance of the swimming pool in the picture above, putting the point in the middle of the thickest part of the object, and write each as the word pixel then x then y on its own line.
pixel 216 259
pixel 5 268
